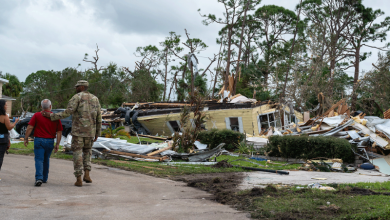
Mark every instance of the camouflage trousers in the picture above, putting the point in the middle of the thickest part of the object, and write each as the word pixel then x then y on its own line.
pixel 82 151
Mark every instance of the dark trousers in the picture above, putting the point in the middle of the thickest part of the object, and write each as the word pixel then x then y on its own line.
pixel 42 150
pixel 3 148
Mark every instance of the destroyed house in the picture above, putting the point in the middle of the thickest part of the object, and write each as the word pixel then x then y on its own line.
pixel 250 118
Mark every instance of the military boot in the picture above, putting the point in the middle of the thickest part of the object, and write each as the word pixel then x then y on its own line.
pixel 79 182
pixel 86 178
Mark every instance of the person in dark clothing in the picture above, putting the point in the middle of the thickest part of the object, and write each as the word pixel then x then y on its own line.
pixel 5 126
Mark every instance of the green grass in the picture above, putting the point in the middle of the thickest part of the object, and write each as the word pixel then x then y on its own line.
pixel 135 140
pixel 20 149
pixel 290 204
pixel 271 166
pixel 377 186
pixel 161 170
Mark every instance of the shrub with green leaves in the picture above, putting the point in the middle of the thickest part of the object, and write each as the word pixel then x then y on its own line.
pixel 306 147
pixel 214 137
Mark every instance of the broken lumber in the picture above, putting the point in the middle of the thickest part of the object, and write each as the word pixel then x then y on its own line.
pixel 161 150
pixel 386 114
pixel 333 107
pixel 136 155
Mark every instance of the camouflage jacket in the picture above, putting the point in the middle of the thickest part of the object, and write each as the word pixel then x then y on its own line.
pixel 86 115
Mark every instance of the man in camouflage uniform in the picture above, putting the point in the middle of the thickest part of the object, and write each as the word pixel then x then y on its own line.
pixel 86 128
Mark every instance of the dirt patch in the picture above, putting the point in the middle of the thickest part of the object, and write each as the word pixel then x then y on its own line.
pixel 360 191
pixel 222 185
pixel 222 164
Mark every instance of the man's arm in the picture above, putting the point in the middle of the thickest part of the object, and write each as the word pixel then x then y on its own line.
pixel 59 135
pixel 28 132
pixel 70 109
pixel 98 123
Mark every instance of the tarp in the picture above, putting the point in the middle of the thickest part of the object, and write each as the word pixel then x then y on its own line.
pixel 383 164
pixel 242 99
pixel 200 146
pixel 122 145
pixel 334 121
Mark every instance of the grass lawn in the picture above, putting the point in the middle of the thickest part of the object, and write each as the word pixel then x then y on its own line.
pixel 135 140
pixel 313 203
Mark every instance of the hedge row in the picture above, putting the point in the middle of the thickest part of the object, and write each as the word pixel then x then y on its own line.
pixel 214 137
pixel 305 147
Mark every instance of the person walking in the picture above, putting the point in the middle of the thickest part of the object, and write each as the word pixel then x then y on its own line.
pixel 5 126
pixel 44 134
pixel 86 128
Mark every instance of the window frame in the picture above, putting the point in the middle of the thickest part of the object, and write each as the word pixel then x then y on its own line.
pixel 240 124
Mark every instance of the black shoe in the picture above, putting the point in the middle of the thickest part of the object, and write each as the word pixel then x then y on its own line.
pixel 38 183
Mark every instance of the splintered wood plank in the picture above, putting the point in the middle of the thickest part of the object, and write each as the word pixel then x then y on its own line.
pixel 386 114
pixel 161 150
pixel 333 107
pixel 344 109
pixel 331 113
pixel 136 155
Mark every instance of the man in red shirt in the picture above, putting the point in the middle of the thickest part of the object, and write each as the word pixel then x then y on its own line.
pixel 44 134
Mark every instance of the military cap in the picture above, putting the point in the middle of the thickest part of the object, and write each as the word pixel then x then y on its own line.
pixel 81 83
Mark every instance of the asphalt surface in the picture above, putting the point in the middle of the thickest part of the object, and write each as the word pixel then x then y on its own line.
pixel 114 194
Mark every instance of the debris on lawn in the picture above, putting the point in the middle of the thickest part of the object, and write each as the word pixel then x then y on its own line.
pixel 223 164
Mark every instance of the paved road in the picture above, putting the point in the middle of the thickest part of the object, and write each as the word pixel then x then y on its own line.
pixel 114 194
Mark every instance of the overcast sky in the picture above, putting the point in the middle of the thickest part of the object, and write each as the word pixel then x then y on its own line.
pixel 55 34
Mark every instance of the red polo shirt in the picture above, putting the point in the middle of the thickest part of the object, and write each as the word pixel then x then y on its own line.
pixel 44 127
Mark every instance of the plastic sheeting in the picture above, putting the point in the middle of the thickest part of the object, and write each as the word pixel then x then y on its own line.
pixel 383 164
pixel 334 121
pixel 122 145
pixel 13 134
pixel 200 146
pixel 242 99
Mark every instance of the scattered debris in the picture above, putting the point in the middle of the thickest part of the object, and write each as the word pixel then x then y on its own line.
pixel 222 164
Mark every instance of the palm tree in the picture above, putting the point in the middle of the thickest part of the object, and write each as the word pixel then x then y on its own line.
pixel 120 131
pixel 14 87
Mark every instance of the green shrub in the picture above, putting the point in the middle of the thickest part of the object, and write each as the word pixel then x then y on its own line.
pixel 214 137
pixel 305 147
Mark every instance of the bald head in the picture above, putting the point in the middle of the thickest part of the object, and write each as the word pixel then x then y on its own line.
pixel 46 104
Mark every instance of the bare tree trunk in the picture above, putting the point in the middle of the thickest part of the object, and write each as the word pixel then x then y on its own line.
pixel 227 73
pixel 291 51
pixel 173 83
pixel 166 75
pixel 356 78
pixel 218 67
pixel 240 48
pixel 192 80
pixel 184 71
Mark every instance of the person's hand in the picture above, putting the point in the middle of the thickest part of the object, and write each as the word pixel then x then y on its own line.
pixel 16 120
pixel 45 114
pixel 25 141
pixel 56 148
pixel 96 137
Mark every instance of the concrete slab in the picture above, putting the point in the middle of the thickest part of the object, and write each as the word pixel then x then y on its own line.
pixel 254 179
pixel 114 194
